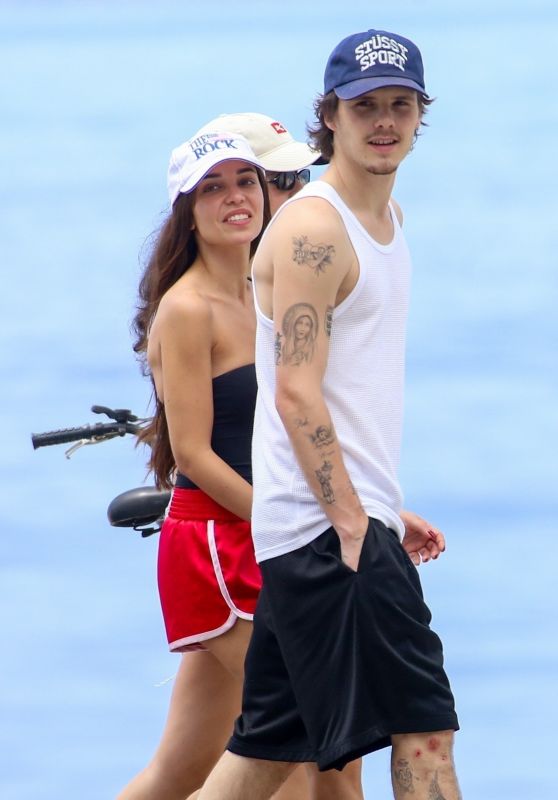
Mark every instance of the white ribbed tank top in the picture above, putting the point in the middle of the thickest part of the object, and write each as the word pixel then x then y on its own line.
pixel 362 387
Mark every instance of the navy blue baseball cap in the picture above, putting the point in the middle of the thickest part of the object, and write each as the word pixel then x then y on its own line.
pixel 371 60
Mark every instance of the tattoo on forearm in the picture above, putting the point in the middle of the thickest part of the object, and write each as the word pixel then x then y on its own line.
pixel 301 423
pixel 403 776
pixel 328 320
pixel 322 436
pixel 300 328
pixel 434 791
pixel 316 256
pixel 324 477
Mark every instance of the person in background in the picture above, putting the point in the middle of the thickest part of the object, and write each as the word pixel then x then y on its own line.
pixel 342 659
pixel 286 160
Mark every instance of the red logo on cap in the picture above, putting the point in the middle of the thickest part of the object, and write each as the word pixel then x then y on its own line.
pixel 278 128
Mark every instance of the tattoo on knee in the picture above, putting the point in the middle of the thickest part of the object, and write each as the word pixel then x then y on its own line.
pixel 434 791
pixel 403 776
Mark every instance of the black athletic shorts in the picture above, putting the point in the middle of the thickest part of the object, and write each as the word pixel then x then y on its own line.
pixel 339 660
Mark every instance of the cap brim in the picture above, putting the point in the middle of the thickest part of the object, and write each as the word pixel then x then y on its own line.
pixel 363 85
pixel 288 157
pixel 196 177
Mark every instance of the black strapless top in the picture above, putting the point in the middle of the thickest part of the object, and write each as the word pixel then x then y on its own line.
pixel 234 403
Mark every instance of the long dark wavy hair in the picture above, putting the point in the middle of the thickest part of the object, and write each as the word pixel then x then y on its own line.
pixel 173 252
pixel 325 106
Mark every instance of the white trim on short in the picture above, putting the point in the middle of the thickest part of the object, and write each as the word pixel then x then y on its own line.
pixel 194 642
pixel 219 573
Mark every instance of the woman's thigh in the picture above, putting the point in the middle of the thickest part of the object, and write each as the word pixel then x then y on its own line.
pixel 205 702
pixel 230 648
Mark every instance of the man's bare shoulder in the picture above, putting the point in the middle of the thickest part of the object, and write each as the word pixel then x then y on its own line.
pixel 306 251
pixel 307 232
pixel 315 214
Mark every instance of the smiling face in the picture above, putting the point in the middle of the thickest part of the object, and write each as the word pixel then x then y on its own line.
pixel 229 204
pixel 376 129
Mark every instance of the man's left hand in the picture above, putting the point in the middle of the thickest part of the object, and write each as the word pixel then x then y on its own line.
pixel 422 541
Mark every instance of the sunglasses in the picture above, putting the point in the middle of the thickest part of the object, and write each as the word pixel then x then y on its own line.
pixel 285 181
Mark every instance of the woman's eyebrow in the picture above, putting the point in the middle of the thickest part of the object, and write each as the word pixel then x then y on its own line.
pixel 239 171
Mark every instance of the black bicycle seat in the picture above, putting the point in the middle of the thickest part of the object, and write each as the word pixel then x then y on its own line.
pixel 136 507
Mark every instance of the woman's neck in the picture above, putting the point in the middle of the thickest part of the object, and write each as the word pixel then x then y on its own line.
pixel 227 268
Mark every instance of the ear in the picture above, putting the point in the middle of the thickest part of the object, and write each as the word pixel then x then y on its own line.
pixel 330 121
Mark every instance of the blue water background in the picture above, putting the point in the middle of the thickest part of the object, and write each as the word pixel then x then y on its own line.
pixel 93 97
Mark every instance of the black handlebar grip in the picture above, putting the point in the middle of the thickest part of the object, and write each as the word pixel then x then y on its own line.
pixel 61 437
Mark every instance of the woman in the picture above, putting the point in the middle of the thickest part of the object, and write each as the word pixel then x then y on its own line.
pixel 195 328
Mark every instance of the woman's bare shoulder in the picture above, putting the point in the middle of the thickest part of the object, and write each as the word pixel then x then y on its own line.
pixel 183 304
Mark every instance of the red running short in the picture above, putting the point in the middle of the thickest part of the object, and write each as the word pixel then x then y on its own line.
pixel 207 573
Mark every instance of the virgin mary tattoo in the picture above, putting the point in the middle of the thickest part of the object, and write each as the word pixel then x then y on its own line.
pixel 300 328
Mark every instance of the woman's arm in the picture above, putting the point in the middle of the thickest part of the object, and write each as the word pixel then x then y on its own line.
pixel 184 331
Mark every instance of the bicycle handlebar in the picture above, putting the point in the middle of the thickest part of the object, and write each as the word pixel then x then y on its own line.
pixel 124 422
pixel 65 435
pixel 142 509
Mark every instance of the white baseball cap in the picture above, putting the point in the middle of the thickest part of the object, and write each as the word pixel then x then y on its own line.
pixel 269 139
pixel 191 161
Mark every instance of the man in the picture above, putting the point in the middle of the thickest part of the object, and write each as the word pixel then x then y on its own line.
pixel 342 660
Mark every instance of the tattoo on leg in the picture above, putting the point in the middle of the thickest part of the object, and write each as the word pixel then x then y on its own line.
pixel 322 436
pixel 324 477
pixel 328 320
pixel 301 423
pixel 300 328
pixel 403 776
pixel 434 791
pixel 316 256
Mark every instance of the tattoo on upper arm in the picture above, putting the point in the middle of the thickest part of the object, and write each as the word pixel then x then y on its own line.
pixel 277 347
pixel 403 776
pixel 324 477
pixel 328 320
pixel 300 328
pixel 322 436
pixel 316 256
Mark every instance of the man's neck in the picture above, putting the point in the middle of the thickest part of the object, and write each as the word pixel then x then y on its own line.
pixel 368 198
pixel 363 192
